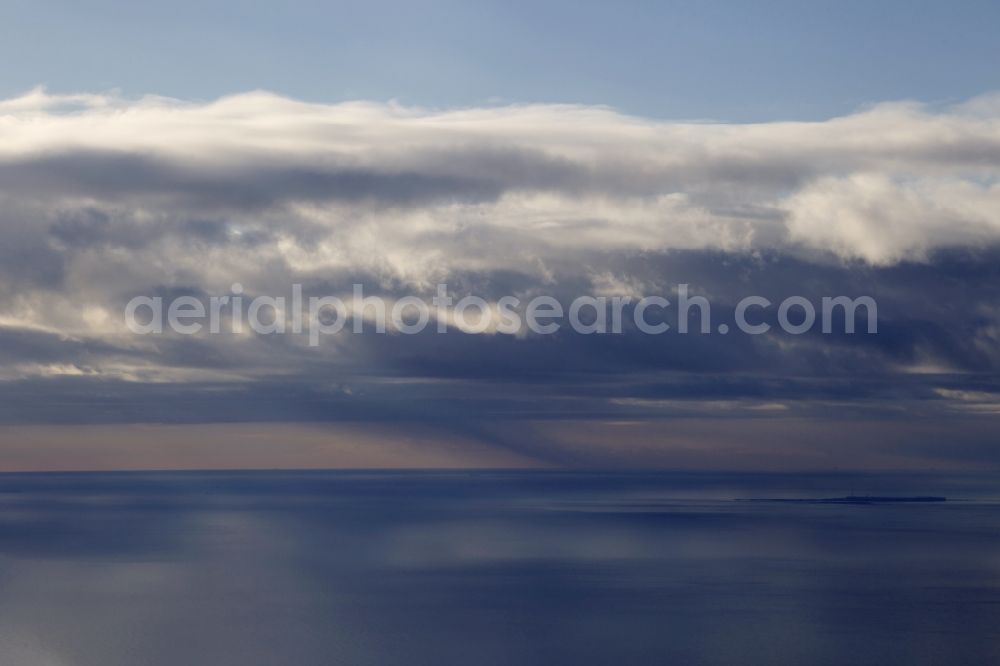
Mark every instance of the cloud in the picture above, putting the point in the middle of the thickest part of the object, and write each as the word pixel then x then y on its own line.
pixel 892 182
pixel 103 198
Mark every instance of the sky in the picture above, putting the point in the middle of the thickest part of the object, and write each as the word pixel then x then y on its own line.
pixel 810 149
pixel 726 61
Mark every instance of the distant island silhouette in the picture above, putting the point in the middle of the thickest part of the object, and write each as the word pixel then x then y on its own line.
pixel 855 499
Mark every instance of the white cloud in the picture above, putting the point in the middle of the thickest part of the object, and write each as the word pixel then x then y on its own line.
pixel 386 182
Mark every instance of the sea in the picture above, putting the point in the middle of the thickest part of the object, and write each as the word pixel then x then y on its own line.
pixel 482 568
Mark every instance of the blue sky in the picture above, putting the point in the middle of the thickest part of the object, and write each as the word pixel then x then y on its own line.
pixel 729 61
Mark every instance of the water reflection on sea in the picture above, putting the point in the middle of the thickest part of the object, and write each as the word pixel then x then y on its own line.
pixel 494 568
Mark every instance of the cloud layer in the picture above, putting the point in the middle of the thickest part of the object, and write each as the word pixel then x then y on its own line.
pixel 103 198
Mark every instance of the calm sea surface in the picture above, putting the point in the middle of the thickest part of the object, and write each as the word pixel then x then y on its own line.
pixel 484 568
